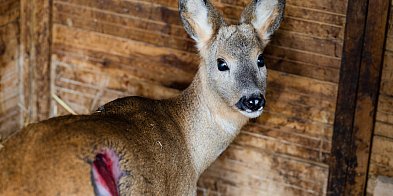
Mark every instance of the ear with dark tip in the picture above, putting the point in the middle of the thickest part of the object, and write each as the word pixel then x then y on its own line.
pixel 200 19
pixel 265 16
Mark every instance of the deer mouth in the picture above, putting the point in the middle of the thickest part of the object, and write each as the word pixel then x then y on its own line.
pixel 243 108
pixel 249 113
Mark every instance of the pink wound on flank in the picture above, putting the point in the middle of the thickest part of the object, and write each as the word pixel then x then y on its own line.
pixel 106 173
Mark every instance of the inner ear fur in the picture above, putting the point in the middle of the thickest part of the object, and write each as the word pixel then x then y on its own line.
pixel 200 19
pixel 265 16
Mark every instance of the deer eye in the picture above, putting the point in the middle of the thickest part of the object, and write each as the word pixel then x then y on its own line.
pixel 261 61
pixel 222 65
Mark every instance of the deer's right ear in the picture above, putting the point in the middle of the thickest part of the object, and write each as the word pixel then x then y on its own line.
pixel 200 19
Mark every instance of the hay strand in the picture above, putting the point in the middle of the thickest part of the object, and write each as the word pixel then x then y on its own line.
pixel 63 104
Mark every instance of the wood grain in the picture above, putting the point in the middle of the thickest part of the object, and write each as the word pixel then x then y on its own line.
pixel 10 112
pixel 383 134
pixel 357 98
pixel 35 51
pixel 345 108
pixel 367 95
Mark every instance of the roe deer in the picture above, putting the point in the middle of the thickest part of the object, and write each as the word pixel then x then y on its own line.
pixel 139 146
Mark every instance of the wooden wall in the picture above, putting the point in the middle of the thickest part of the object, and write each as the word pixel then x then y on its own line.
pixel 104 49
pixel 381 163
pixel 10 112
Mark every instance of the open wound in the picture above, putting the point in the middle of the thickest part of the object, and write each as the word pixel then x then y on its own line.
pixel 106 173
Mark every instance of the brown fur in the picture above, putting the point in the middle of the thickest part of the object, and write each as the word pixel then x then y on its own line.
pixel 56 155
pixel 163 145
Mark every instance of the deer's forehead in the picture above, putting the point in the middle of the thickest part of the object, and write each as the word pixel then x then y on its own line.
pixel 238 40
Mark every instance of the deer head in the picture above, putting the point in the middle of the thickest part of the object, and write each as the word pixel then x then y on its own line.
pixel 233 64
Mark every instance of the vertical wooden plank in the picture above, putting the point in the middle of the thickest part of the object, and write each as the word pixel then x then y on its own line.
pixel 357 98
pixel 367 95
pixel 35 58
pixel 23 65
pixel 42 35
pixel 345 109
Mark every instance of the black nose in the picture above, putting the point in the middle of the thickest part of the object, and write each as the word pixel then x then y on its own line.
pixel 252 103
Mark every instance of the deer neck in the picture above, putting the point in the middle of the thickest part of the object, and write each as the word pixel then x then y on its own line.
pixel 208 124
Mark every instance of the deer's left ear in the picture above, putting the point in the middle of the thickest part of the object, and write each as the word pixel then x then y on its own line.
pixel 264 15
pixel 200 19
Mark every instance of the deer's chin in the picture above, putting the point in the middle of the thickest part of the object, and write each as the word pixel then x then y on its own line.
pixel 251 114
